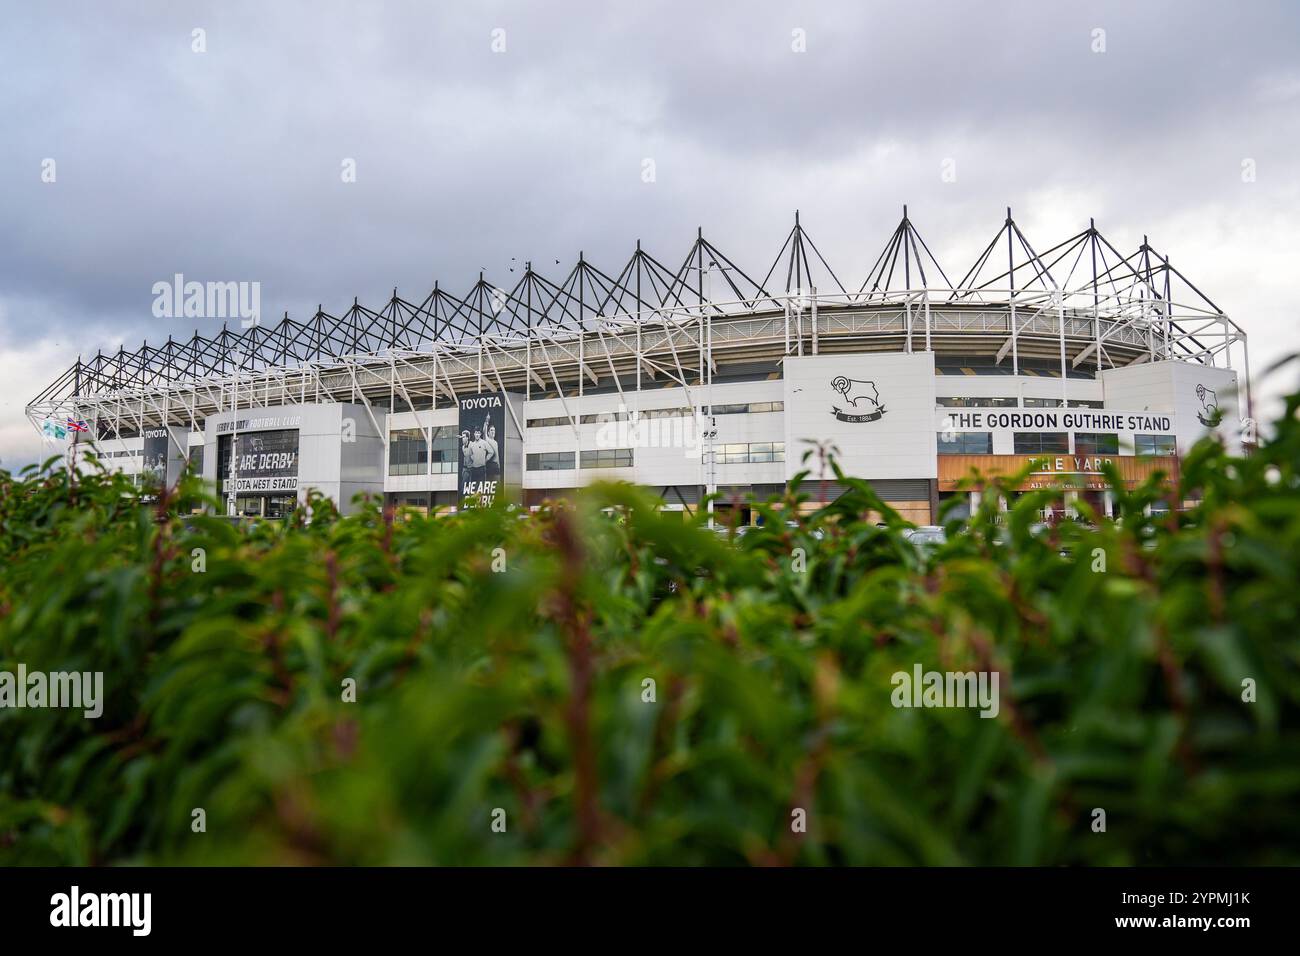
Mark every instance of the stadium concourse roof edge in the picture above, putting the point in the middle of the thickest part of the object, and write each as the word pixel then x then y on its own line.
pixel 1086 268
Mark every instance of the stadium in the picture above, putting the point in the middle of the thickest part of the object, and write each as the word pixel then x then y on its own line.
pixel 690 379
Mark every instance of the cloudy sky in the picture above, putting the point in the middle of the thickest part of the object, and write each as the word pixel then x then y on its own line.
pixel 226 164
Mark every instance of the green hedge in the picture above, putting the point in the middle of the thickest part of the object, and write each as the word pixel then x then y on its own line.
pixel 772 655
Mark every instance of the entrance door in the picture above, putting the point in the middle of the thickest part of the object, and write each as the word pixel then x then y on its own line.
pixel 279 506
pixel 1095 499
pixel 248 506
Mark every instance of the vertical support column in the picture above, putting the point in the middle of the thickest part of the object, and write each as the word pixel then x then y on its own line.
pixel 907 322
pixel 1096 316
pixel 1011 285
pixel 1250 407
pixel 1068 504
pixel 699 338
pixel 582 328
pixel 1060 319
pixel 1168 310
pixel 926 300
pixel 814 320
pixel 640 320
pixel 528 333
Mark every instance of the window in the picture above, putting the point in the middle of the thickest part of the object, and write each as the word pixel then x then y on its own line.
pixel 1042 403
pixel 444 450
pixel 280 506
pixel 1086 403
pixel 548 422
pixel 417 403
pixel 606 458
pixel 617 415
pixel 755 453
pixel 765 451
pixel 967 443
pixel 408 452
pixel 974 402
pixel 550 461
pixel 1036 443
pixel 1095 443
pixel 411 453
pixel 744 408
pixel 1153 445
pixel 978 365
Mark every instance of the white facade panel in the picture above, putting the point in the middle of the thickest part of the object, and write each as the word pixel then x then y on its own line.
pixel 877 409
pixel 1188 391
pixel 1017 386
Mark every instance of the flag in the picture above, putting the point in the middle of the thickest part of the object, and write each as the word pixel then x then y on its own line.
pixel 76 426
pixel 52 429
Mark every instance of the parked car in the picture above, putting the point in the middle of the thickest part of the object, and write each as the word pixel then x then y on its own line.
pixel 927 538
pixel 817 533
pixel 727 530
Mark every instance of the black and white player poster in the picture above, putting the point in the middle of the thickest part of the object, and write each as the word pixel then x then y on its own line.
pixel 482 437
pixel 153 471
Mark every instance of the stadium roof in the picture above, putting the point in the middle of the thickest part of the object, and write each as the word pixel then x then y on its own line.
pixel 648 290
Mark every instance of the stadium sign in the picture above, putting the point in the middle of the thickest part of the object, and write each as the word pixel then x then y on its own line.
pixel 255 424
pixel 1072 420
pixel 1069 465
pixel 263 461
pixel 1051 471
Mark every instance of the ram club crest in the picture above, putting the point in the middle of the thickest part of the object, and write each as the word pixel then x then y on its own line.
pixel 861 400
pixel 1209 414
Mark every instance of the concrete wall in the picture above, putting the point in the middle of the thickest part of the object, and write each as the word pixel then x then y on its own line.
pixel 340 451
